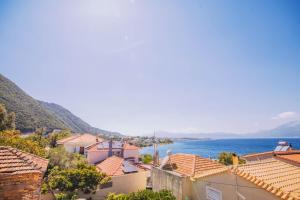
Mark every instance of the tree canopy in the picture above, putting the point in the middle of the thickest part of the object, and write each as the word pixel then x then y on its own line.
pixel 143 195
pixel 7 120
pixel 226 158
pixel 146 158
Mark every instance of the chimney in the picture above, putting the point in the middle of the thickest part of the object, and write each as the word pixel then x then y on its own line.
pixel 110 144
pixel 235 159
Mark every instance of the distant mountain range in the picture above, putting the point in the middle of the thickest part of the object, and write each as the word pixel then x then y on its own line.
pixel 287 130
pixel 32 113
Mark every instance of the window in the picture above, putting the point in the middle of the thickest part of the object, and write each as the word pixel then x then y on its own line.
pixel 213 194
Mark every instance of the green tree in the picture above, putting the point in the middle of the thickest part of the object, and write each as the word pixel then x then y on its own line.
pixel 226 158
pixel 146 158
pixel 65 181
pixel 143 195
pixel 69 172
pixel 12 138
pixel 61 158
pixel 7 120
pixel 54 137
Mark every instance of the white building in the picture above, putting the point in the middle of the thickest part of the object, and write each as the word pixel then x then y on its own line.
pixel 101 150
pixel 77 143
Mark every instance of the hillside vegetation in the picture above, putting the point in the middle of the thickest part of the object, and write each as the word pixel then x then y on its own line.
pixel 31 113
pixel 74 122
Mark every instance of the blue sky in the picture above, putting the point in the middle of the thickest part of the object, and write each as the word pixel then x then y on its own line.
pixel 138 66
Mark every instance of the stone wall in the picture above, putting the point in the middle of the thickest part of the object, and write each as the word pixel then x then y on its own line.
pixel 24 186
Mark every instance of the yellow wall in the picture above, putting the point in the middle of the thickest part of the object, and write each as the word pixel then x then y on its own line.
pixel 185 189
pixel 226 183
pixel 121 184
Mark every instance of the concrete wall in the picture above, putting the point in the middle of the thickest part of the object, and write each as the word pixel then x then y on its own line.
pixel 177 184
pixel 132 153
pixel 96 156
pixel 20 186
pixel 121 184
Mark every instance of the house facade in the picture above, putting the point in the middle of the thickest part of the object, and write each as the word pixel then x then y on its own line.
pixel 125 176
pixel 21 174
pixel 191 177
pixel 77 143
pixel 101 150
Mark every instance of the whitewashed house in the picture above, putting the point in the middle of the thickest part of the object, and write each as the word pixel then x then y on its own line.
pixel 101 150
pixel 77 143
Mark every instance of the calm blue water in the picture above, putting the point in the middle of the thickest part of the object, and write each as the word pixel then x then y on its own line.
pixel 211 148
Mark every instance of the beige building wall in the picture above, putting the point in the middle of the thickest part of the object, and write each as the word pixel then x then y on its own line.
pixel 121 184
pixel 132 153
pixel 178 185
pixel 183 188
pixel 96 156
pixel 227 183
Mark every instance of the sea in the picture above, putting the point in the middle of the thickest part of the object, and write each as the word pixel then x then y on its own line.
pixel 211 148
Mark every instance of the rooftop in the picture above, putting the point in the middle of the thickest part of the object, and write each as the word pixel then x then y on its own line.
pixel 193 165
pixel 77 138
pixel 271 153
pixel 103 146
pixel 116 166
pixel 295 158
pixel 14 161
pixel 277 177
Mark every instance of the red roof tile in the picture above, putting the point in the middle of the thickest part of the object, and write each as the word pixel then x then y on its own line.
pixel 192 165
pixel 130 147
pixel 291 157
pixel 14 161
pixel 79 138
pixel 111 166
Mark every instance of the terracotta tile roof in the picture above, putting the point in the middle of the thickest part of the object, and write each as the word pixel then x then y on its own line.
pixel 193 165
pixel 62 141
pixel 130 147
pixel 277 177
pixel 258 154
pixel 291 157
pixel 111 166
pixel 293 151
pixel 79 138
pixel 92 147
pixel 14 161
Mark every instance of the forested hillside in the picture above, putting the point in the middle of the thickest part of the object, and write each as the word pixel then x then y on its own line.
pixel 31 113
pixel 74 122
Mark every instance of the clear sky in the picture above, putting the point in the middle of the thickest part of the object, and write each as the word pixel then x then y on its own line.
pixel 137 66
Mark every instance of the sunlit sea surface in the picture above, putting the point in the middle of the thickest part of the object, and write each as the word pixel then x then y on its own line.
pixel 211 148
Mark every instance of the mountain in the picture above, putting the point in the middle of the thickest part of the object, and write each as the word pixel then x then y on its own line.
pixel 287 130
pixel 32 113
pixel 29 113
pixel 215 135
pixel 76 124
